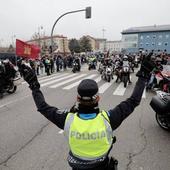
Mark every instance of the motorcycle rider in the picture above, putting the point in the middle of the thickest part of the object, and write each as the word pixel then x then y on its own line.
pixel 125 63
pixel 158 67
pixel 88 129
pixel 77 61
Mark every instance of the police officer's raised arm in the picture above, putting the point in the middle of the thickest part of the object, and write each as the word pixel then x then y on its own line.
pixel 125 108
pixel 51 113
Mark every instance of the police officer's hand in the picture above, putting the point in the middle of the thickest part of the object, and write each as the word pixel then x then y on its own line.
pixel 147 66
pixel 29 76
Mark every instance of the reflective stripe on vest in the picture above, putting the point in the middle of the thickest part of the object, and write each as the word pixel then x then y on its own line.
pixel 88 139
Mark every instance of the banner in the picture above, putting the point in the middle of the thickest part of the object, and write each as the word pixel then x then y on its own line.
pixel 27 50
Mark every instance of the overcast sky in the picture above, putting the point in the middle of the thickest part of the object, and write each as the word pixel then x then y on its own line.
pixel 21 18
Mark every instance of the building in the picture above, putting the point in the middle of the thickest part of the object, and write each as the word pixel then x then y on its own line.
pixel 60 41
pixel 92 41
pixel 149 38
pixel 113 46
pixel 101 44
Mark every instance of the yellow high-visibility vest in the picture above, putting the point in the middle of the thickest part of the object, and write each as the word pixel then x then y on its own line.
pixel 89 139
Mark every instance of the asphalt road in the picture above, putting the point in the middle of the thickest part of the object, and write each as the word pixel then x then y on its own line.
pixel 30 142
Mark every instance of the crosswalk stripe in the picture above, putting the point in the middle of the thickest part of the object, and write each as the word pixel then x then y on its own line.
pixel 54 81
pixel 76 83
pixel 67 81
pixel 120 90
pixel 43 79
pixel 98 79
pixel 105 86
pixel 54 77
pixel 144 94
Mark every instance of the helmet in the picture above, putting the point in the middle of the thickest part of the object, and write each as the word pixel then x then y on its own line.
pixel 87 89
pixel 125 58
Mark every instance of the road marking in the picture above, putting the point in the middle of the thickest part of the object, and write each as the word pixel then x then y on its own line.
pixel 54 77
pixel 97 79
pixel 45 77
pixel 105 86
pixel 67 81
pixel 55 81
pixel 14 101
pixel 78 82
pixel 144 94
pixel 120 90
pixel 61 132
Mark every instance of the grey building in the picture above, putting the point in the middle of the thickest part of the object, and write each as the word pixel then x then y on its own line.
pixel 149 38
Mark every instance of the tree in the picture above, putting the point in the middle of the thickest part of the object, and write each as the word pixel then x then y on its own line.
pixel 85 44
pixel 74 46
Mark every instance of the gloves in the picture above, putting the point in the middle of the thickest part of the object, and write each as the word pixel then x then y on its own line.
pixel 29 76
pixel 146 67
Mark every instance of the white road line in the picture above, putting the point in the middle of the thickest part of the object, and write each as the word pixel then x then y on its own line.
pixel 55 81
pixel 105 86
pixel 120 90
pixel 77 83
pixel 54 77
pixel 67 81
pixel 61 131
pixel 98 79
pixel 144 94
pixel 47 77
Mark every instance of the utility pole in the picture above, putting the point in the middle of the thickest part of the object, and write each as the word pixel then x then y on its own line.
pixel 104 43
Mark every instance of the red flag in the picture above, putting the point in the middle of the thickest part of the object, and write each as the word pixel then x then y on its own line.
pixel 27 50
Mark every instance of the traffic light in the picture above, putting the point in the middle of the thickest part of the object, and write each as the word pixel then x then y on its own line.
pixel 88 12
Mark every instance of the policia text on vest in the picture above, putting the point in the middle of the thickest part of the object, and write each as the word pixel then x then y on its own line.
pixel 88 136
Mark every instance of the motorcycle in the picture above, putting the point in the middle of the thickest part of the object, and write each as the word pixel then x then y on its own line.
pixel 136 62
pixel 76 67
pixel 107 74
pixel 161 105
pixel 9 85
pixel 92 65
pixel 125 75
pixel 160 80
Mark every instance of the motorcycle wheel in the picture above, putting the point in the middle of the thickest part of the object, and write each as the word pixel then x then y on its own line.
pixel 109 78
pixel 163 122
pixel 12 89
pixel 125 80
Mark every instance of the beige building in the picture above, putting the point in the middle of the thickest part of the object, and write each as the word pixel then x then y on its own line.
pixel 61 42
pixel 113 46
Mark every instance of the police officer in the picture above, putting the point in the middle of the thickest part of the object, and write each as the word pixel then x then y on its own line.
pixel 87 128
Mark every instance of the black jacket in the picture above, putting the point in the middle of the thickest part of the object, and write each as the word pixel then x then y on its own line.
pixel 116 115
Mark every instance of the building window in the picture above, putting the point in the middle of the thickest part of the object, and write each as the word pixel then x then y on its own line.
pixel 154 36
pixel 153 44
pixel 166 44
pixel 147 44
pixel 159 43
pixel 167 36
pixel 141 37
pixel 147 36
pixel 160 36
pixel 141 44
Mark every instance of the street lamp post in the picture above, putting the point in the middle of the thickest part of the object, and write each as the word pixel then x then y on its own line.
pixel 88 15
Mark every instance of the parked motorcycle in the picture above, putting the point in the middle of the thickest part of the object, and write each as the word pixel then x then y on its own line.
pixel 161 105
